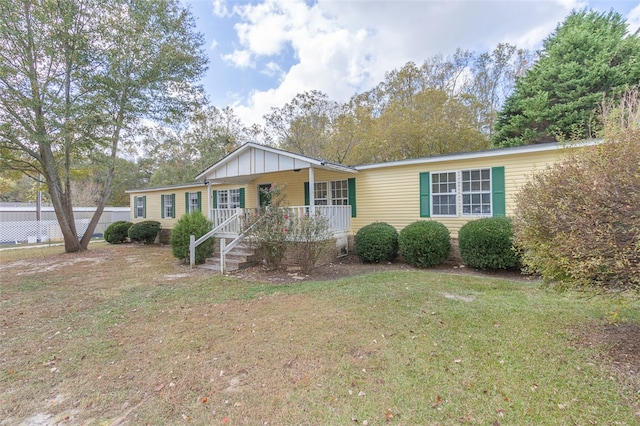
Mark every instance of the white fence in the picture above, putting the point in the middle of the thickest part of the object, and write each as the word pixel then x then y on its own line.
pixel 48 229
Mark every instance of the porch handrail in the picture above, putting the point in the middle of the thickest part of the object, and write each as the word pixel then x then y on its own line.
pixel 226 248
pixel 193 243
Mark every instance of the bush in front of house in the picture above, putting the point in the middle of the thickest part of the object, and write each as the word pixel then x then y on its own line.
pixel 309 236
pixel 424 243
pixel 270 229
pixel 488 244
pixel 117 232
pixel 196 224
pixel 577 223
pixel 144 232
pixel 376 242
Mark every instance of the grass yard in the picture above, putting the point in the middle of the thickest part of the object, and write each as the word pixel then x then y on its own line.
pixel 126 335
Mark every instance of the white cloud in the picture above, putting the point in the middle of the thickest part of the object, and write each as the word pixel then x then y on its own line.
pixel 220 8
pixel 272 69
pixel 213 45
pixel 240 59
pixel 633 20
pixel 346 47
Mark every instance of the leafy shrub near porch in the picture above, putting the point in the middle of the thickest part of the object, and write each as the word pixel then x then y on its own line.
pixel 144 232
pixel 270 228
pixel 196 224
pixel 377 242
pixel 117 232
pixel 309 236
pixel 488 244
pixel 424 243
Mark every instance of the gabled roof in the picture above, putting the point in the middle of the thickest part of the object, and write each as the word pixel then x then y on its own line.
pixel 496 152
pixel 254 159
pixel 166 187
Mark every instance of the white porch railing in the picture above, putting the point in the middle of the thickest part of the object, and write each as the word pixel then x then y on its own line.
pixel 232 223
pixel 339 216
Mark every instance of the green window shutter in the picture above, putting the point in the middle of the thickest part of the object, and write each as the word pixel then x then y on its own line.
pixel 215 199
pixel 186 202
pixel 425 195
pixel 351 187
pixel 162 206
pixel 144 206
pixel 241 195
pixel 306 193
pixel 200 200
pixel 135 207
pixel 173 204
pixel 498 198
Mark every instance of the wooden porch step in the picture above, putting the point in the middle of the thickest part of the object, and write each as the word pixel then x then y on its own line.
pixel 242 256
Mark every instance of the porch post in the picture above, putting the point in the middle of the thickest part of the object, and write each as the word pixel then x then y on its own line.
pixel 209 201
pixel 312 200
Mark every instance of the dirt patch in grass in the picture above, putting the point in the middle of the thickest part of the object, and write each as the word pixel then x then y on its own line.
pixel 622 345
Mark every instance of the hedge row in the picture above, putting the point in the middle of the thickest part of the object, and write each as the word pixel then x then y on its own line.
pixel 484 243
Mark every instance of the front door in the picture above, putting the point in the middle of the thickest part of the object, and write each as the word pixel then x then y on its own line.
pixel 263 194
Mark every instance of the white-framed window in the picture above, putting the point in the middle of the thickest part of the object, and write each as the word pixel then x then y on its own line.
pixel 193 203
pixel 444 193
pixel 321 194
pixel 167 205
pixel 140 206
pixel 332 193
pixel 228 199
pixel 339 193
pixel 476 192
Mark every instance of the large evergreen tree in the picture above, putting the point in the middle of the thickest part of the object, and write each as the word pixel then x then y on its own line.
pixel 588 57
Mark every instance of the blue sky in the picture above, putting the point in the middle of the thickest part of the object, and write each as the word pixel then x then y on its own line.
pixel 264 52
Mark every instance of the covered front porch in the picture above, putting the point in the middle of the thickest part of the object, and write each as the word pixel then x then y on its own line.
pixel 238 187
pixel 232 222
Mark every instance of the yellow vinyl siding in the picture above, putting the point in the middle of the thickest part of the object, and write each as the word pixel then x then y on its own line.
pixel 154 204
pixel 391 194
pixel 294 184
pixel 385 192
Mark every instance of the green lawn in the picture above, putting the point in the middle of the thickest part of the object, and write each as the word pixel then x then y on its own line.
pixel 125 335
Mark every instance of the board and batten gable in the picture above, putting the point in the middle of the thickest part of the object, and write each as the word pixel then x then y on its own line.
pixel 390 192
pixel 255 161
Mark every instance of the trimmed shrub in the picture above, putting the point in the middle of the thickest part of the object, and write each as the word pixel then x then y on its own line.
pixel 376 242
pixel 424 243
pixel 196 224
pixel 117 232
pixel 144 232
pixel 488 244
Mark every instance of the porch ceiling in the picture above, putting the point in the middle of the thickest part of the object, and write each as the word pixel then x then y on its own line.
pixel 251 161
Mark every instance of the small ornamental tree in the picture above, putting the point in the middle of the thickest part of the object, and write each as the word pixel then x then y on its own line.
pixel 424 243
pixel 376 242
pixel 309 235
pixel 196 224
pixel 488 244
pixel 270 227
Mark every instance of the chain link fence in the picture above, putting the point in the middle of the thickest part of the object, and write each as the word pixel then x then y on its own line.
pixel 48 230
